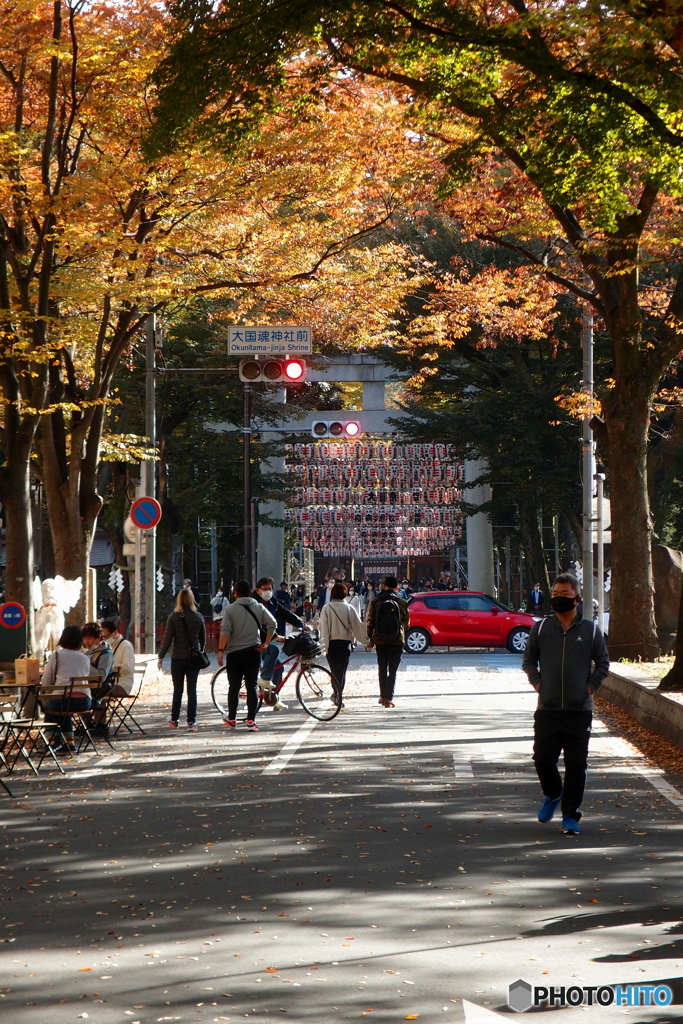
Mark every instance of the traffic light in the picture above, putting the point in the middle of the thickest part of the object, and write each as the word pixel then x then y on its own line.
pixel 335 428
pixel 273 371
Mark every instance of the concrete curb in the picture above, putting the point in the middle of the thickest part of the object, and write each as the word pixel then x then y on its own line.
pixel 636 693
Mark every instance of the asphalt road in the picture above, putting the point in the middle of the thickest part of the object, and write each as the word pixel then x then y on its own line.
pixel 385 865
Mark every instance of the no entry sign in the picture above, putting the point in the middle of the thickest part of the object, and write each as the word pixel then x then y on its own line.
pixel 12 615
pixel 145 513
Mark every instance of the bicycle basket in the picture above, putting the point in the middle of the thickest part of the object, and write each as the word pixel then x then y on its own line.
pixel 304 644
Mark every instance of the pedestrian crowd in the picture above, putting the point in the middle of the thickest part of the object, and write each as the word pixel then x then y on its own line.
pixel 565 660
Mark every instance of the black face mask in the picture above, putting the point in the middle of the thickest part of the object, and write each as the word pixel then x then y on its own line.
pixel 562 604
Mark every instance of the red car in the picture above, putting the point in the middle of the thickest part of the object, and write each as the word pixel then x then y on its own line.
pixel 459 618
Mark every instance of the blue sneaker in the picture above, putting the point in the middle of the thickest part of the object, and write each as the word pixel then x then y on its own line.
pixel 570 826
pixel 548 808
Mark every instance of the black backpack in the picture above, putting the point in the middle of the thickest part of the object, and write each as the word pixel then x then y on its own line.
pixel 388 620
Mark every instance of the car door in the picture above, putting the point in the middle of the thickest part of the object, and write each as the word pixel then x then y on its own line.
pixel 484 621
pixel 446 619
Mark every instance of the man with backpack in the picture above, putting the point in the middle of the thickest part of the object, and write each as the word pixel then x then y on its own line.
pixel 386 623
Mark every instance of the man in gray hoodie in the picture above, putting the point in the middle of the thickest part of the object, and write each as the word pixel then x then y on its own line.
pixel 566 659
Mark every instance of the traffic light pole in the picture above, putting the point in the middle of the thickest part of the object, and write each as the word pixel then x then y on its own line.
pixel 246 466
pixel 149 487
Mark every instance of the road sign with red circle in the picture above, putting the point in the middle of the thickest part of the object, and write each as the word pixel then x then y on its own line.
pixel 12 615
pixel 145 513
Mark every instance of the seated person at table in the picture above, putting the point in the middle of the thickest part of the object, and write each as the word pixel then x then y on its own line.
pixel 124 658
pixel 61 667
pixel 101 663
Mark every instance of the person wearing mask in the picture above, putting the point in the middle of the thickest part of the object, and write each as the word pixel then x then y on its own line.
pixel 353 599
pixel 189 585
pixel 185 631
pixel 386 623
pixel 339 626
pixel 324 594
pixel 219 603
pixel 265 596
pixel 535 600
pixel 565 660
pixel 241 646
pixel 63 665
pixel 101 664
pixel 124 658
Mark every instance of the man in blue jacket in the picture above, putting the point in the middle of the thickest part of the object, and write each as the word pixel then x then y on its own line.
pixel 566 659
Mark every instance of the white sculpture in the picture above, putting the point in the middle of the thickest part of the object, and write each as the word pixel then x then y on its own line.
pixel 52 599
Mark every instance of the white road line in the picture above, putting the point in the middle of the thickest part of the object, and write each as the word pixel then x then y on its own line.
pixel 462 766
pixel 98 767
pixel 290 748
pixel 619 747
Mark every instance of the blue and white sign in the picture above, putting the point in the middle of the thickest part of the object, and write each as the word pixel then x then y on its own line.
pixel 12 615
pixel 270 341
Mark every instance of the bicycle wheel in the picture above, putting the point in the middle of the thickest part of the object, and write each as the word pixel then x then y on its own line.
pixel 219 695
pixel 318 691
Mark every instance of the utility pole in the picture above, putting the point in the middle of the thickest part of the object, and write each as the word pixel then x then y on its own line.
pixel 588 452
pixel 246 435
pixel 600 480
pixel 149 485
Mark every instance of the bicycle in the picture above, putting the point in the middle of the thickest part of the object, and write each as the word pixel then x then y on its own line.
pixel 316 688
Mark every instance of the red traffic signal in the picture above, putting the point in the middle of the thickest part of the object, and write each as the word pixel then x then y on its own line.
pixel 336 428
pixel 272 371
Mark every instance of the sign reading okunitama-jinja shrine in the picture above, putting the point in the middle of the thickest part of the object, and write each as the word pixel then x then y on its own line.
pixel 270 341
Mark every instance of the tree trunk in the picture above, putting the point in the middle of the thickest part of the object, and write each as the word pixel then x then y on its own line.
pixel 532 543
pixel 19 541
pixel 71 531
pixel 632 630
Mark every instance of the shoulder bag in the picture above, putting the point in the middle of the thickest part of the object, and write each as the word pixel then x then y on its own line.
pixel 262 630
pixel 198 657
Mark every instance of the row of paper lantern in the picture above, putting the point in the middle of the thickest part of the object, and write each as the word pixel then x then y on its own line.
pixel 353 451
pixel 374 536
pixel 356 514
pixel 343 550
pixel 381 496
pixel 391 472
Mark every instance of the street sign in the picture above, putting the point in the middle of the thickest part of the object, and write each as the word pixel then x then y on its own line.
pixel 270 341
pixel 145 513
pixel 12 615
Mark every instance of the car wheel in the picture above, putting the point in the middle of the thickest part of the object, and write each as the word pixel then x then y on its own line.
pixel 417 641
pixel 517 640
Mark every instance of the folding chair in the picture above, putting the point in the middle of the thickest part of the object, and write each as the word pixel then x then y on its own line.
pixel 121 712
pixel 80 719
pixel 24 738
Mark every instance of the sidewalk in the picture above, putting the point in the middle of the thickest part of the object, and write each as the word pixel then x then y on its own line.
pixel 635 691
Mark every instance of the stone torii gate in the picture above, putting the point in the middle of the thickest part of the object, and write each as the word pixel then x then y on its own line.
pixel 374 417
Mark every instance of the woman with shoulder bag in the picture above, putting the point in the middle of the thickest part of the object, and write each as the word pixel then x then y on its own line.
pixel 339 626
pixel 186 632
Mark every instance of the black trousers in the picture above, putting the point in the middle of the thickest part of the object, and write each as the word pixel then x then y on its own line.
pixel 388 660
pixel 243 666
pixel 555 732
pixel 182 669
pixel 338 654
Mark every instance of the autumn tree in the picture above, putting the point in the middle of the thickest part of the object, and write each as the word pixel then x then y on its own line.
pixel 563 127
pixel 95 236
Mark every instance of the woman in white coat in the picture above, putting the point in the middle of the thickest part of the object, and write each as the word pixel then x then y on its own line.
pixel 339 626
pixel 353 599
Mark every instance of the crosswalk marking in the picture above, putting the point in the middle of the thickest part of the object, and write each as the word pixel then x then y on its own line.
pixel 462 766
pixel 290 748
